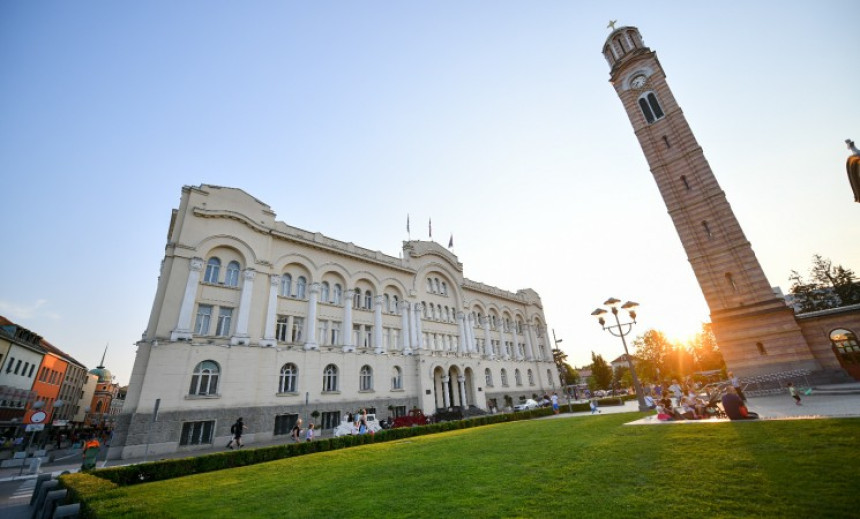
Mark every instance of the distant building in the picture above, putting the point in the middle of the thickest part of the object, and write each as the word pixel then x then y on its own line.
pixel 255 318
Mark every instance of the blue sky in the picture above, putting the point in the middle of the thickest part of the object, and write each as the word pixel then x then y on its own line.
pixel 495 119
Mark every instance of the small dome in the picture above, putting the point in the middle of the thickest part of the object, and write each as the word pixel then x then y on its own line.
pixel 103 374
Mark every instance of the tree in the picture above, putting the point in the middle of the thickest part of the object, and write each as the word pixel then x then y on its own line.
pixel 829 286
pixel 705 350
pixel 653 352
pixel 601 372
pixel 559 357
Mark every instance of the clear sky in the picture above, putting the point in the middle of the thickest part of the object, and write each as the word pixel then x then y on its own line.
pixel 493 118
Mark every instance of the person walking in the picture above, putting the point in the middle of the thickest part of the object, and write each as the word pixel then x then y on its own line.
pixel 236 430
pixel 309 436
pixel 554 399
pixel 91 452
pixel 794 394
pixel 296 431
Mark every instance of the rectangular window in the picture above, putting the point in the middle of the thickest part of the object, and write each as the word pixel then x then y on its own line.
pixel 399 410
pixel 9 366
pixel 322 332
pixel 225 317
pixel 284 423
pixel 17 366
pixel 330 420
pixel 298 326
pixel 32 366
pixel 197 433
pixel 281 328
pixel 204 316
pixel 335 333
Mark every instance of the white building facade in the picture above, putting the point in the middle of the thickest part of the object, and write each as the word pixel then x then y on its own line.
pixel 258 319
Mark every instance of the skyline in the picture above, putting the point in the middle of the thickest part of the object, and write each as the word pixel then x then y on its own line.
pixel 494 119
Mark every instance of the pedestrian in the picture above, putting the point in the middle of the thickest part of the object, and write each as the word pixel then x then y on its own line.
pixel 676 390
pixel 736 383
pixel 91 452
pixel 555 403
pixel 296 431
pixel 362 422
pixel 593 405
pixel 794 394
pixel 236 430
pixel 309 436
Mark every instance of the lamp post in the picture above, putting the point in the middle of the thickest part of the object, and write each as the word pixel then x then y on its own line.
pixel 620 329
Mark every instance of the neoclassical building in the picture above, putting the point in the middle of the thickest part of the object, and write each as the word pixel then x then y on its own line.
pixel 258 319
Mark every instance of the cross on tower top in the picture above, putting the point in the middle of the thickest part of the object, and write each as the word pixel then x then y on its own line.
pixel 611 25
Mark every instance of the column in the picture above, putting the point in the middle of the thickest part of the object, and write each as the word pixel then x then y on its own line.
pixel 413 338
pixel 311 325
pixel 527 331
pixel 547 345
pixel 461 327
pixel 406 343
pixel 271 313
pixel 445 396
pixel 470 333
pixel 502 350
pixel 241 336
pixel 377 325
pixel 461 382
pixel 346 333
pixel 419 338
pixel 182 332
pixel 517 354
pixel 488 343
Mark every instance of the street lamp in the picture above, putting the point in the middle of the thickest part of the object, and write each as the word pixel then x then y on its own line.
pixel 622 330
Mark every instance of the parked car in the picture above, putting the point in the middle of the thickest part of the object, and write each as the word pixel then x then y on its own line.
pixel 527 405
pixel 347 427
pixel 415 417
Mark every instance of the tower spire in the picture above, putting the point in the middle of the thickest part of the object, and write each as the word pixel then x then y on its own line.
pixel 102 363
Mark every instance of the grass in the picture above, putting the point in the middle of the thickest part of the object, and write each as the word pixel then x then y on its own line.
pixel 584 467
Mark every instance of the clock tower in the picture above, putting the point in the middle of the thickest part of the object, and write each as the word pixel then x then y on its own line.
pixel 756 331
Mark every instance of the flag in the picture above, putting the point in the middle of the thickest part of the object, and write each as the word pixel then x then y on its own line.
pixel 407 222
pixel 451 241
pixel 430 227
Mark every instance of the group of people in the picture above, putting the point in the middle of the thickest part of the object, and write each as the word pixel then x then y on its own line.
pixel 359 422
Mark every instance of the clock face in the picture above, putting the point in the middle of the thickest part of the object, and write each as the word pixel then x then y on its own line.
pixel 638 81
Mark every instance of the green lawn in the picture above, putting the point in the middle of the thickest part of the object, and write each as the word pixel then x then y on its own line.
pixel 578 467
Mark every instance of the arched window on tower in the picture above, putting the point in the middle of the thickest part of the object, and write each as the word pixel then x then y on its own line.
pixel 686 183
pixel 761 348
pixel 707 228
pixel 650 107
pixel 731 281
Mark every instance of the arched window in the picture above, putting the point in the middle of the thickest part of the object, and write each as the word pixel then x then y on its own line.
pixel 488 377
pixel 286 285
pixel 301 283
pixel 396 302
pixel 213 270
pixel 289 379
pixel 429 285
pixel 204 380
pixel 531 377
pixel 330 378
pixel 356 299
pixel 707 228
pixel 504 377
pixel 338 294
pixel 686 182
pixel 99 406
pixel 232 277
pixel 444 289
pixel 324 292
pixel 396 378
pixel 386 301
pixel 731 281
pixel 650 107
pixel 365 379
pixel 368 300
pixel 436 285
pixel 846 347
pixel 518 377
pixel 423 310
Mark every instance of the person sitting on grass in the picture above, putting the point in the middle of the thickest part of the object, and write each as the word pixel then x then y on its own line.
pixel 734 406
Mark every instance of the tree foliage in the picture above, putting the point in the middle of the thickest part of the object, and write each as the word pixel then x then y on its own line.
pixel 659 359
pixel 601 372
pixel 829 286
